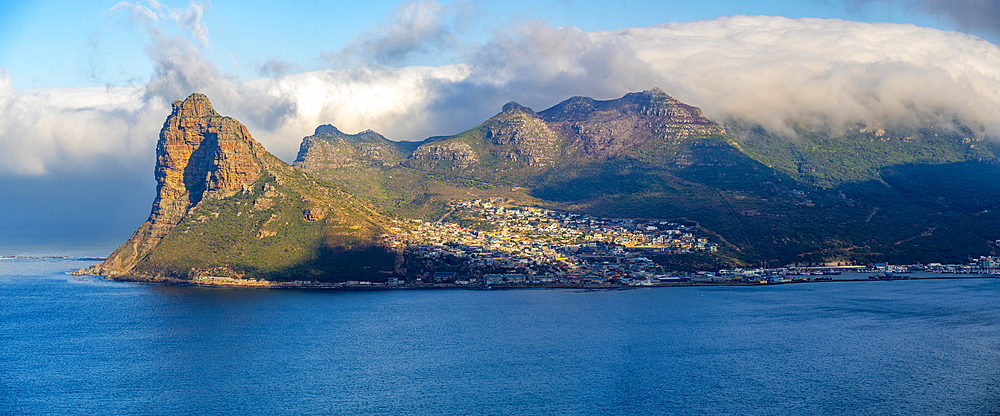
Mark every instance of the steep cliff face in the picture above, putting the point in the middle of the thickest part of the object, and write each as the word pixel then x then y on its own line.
pixel 451 154
pixel 329 148
pixel 515 141
pixel 199 154
pixel 603 129
pixel 225 206
pixel 519 146
pixel 518 134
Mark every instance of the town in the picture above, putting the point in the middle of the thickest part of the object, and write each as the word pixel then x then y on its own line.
pixel 496 244
pixel 492 242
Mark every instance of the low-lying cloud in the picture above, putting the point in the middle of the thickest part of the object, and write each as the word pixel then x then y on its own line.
pixel 776 71
pixel 41 130
pixel 772 71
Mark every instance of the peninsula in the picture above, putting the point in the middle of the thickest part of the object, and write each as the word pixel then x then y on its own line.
pixel 625 191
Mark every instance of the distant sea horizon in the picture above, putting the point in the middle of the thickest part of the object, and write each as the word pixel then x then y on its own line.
pixel 86 345
pixel 69 248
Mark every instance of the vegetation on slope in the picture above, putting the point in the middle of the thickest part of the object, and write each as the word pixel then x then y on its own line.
pixel 286 226
pixel 868 195
pixel 827 160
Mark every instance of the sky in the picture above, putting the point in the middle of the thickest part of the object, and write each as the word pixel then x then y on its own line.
pixel 86 85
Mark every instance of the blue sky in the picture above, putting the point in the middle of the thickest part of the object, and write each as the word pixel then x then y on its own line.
pixel 83 43
pixel 86 85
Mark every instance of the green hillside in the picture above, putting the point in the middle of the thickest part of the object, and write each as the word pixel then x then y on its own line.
pixel 286 226
pixel 867 195
pixel 228 209
pixel 826 159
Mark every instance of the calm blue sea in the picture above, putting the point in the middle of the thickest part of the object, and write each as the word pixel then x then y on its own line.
pixel 80 345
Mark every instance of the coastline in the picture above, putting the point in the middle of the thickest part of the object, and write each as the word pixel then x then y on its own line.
pixel 228 282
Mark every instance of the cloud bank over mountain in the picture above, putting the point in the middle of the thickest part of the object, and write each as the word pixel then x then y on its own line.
pixel 769 70
pixel 833 73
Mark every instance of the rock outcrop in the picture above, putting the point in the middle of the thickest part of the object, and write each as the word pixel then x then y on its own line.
pixel 523 143
pixel 603 129
pixel 224 203
pixel 455 154
pixel 515 139
pixel 329 148
pixel 199 154
pixel 518 133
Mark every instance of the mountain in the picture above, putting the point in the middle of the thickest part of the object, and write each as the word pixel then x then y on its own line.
pixel 829 159
pixel 227 209
pixel 329 149
pixel 369 165
pixel 869 195
pixel 516 154
pixel 519 145
pixel 515 141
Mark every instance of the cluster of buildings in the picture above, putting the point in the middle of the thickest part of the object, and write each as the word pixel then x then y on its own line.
pixel 487 243
pixel 493 242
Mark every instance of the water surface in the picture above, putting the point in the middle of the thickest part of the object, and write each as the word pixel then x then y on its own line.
pixel 81 345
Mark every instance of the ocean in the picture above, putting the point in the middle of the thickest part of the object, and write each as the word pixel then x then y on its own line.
pixel 84 345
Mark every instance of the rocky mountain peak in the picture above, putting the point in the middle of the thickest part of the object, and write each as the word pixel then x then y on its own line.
pixel 195 106
pixel 602 129
pixel 520 138
pixel 652 101
pixel 200 151
pixel 514 107
pixel 199 154
pixel 571 108
pixel 329 148
pixel 327 130
pixel 227 209
pixel 655 91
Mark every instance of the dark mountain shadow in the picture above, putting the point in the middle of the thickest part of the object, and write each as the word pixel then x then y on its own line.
pixel 931 213
pixel 198 166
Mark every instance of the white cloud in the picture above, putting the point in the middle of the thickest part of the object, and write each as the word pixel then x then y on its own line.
pixel 773 70
pixel 414 28
pixel 71 128
pixel 273 67
pixel 768 70
pixel 137 12
pixel 392 101
pixel 42 131
pixel 190 19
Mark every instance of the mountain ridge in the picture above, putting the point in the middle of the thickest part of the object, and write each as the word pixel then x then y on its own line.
pixel 647 155
pixel 226 210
